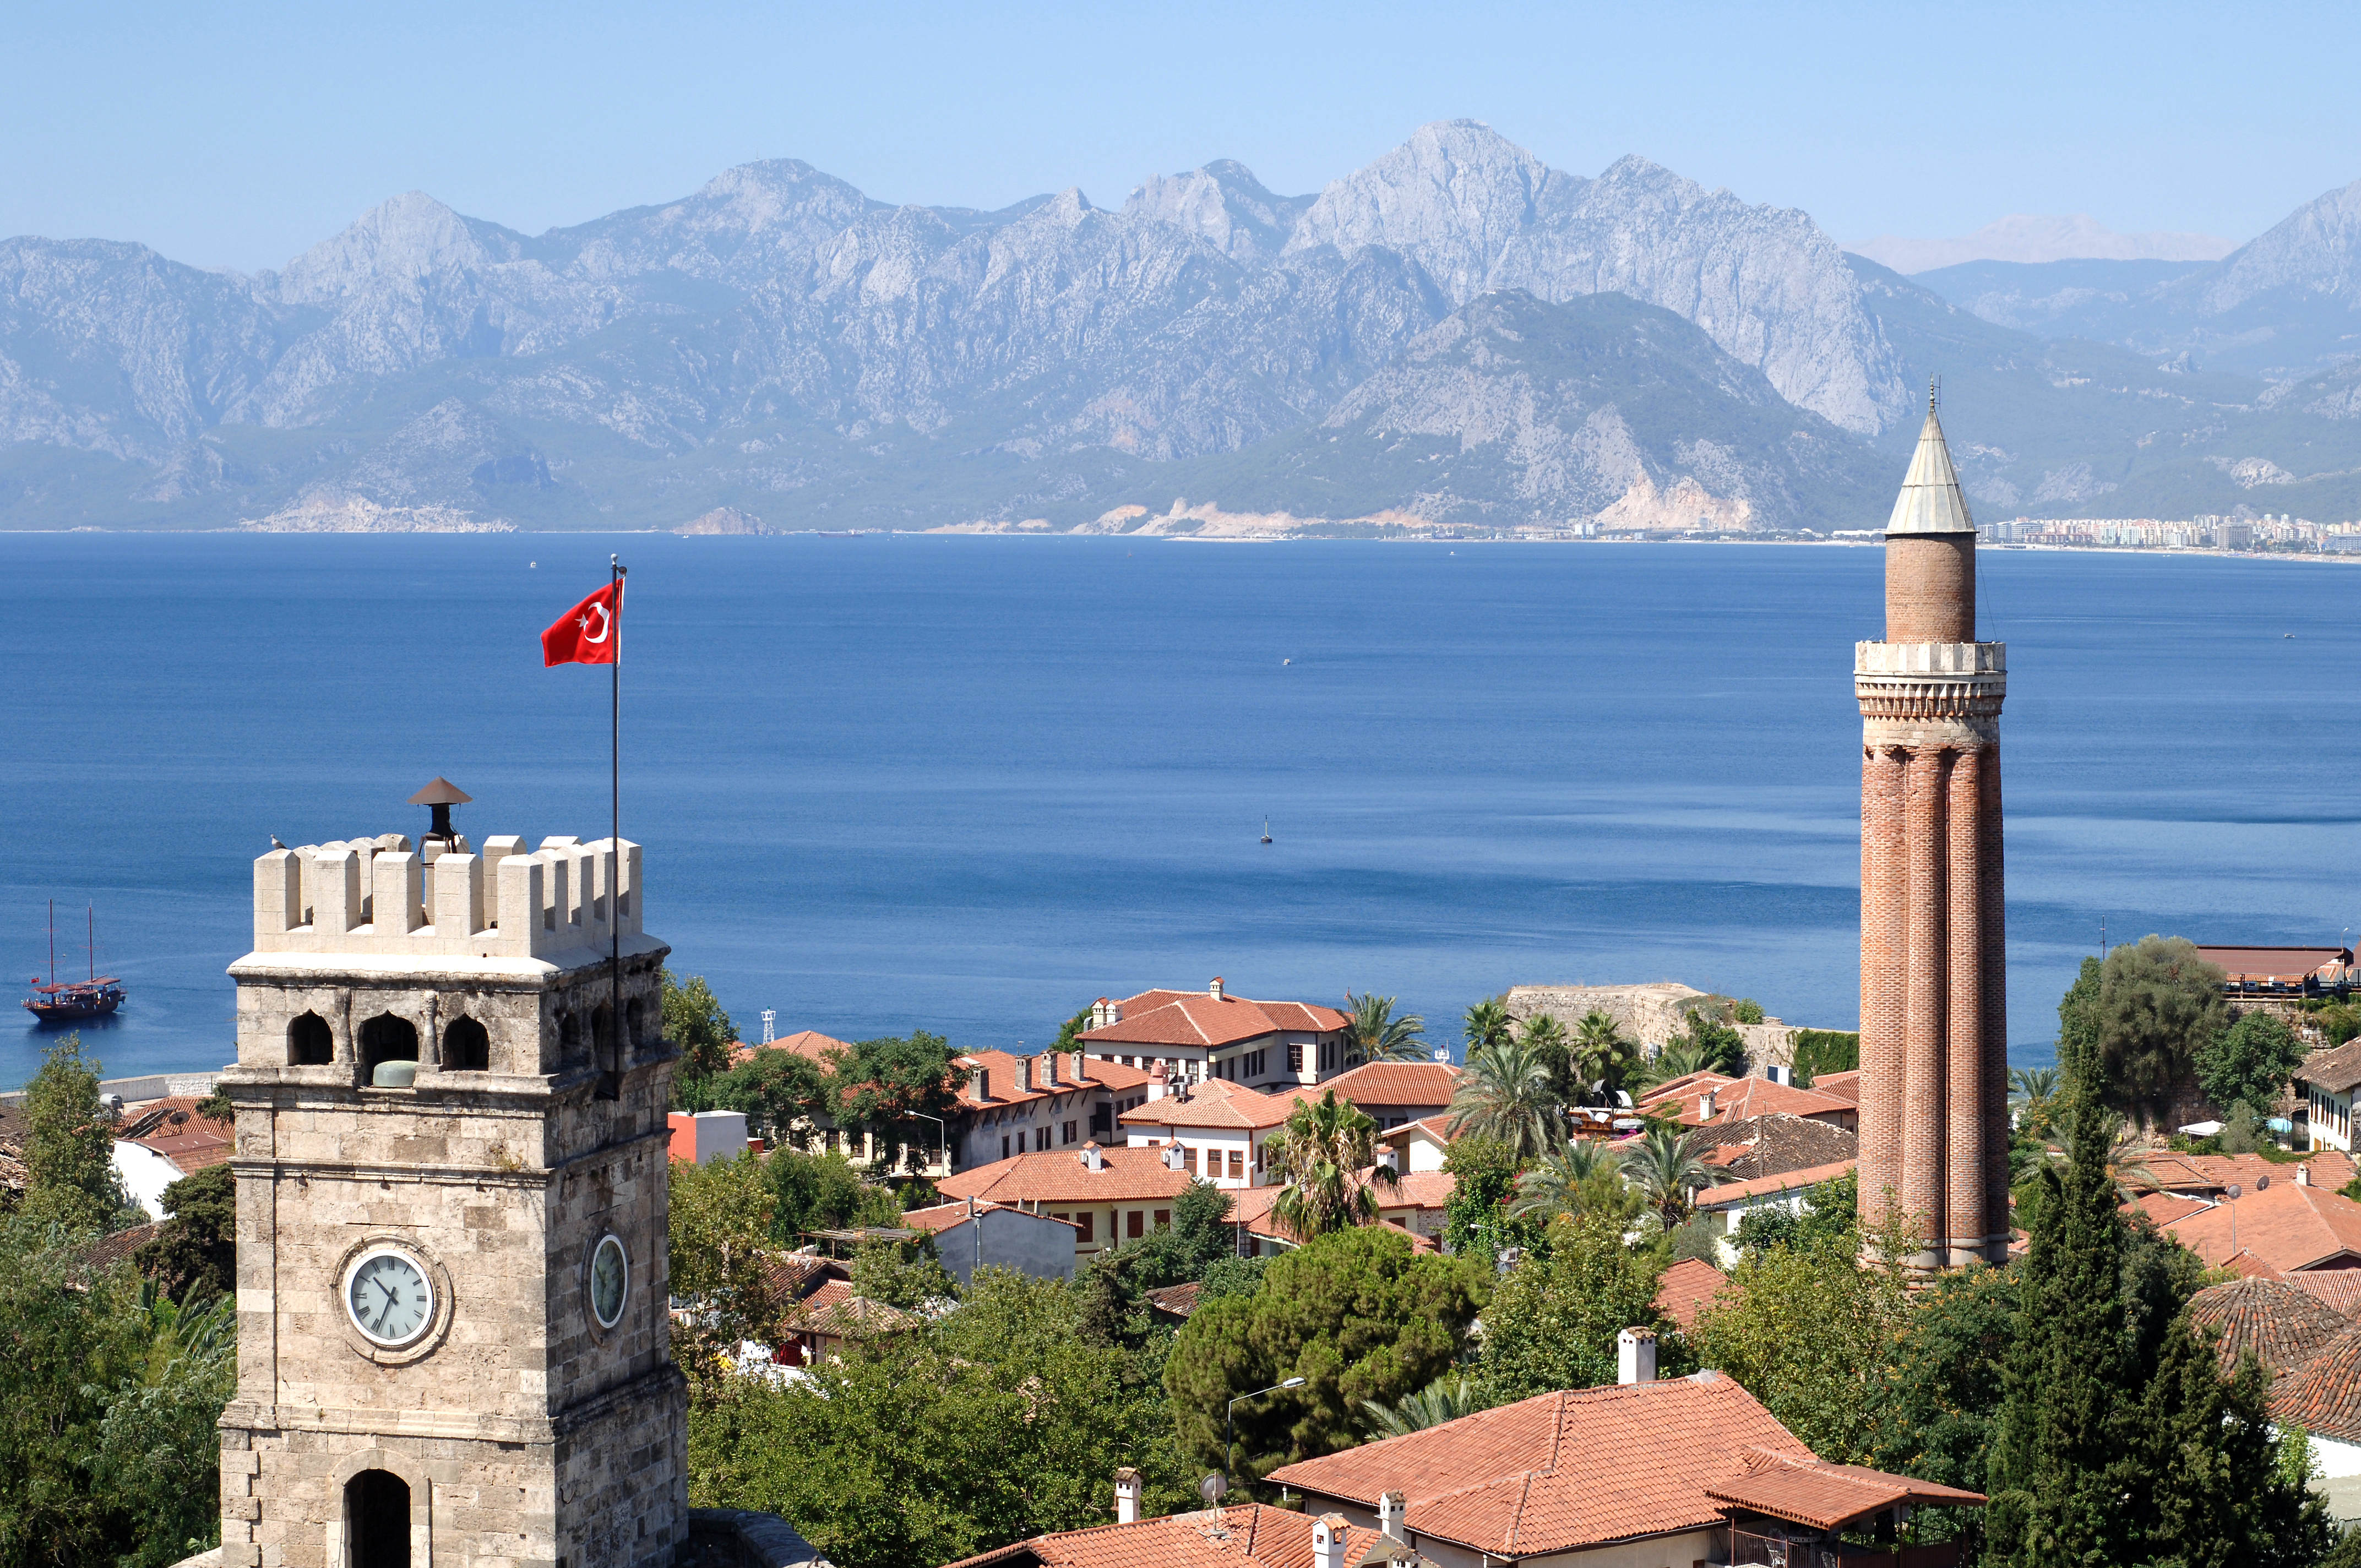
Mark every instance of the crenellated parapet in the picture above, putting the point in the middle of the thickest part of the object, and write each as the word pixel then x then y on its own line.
pixel 380 896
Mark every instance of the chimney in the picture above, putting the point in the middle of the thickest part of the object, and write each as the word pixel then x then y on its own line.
pixel 1214 989
pixel 1705 1106
pixel 1635 1356
pixel 1092 1159
pixel 1158 1075
pixel 1126 1496
pixel 1081 1067
pixel 1328 1541
pixel 1024 1075
pixel 1048 1060
pixel 2304 1174
pixel 1173 1158
pixel 1390 1514
pixel 979 1083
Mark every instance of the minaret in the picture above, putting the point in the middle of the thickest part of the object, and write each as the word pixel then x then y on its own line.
pixel 1934 1044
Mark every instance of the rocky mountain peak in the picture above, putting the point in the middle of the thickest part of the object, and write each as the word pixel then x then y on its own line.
pixel 1224 204
pixel 406 239
pixel 2317 248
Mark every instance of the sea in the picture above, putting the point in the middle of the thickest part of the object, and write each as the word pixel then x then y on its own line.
pixel 967 784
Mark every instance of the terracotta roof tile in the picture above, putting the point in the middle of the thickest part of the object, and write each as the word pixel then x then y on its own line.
pixel 1687 1288
pixel 1174 1300
pixel 1844 1086
pixel 2164 1208
pixel 1000 1080
pixel 173 1128
pixel 2213 1173
pixel 1195 1019
pixel 1217 1102
pixel 1823 1495
pixel 943 1216
pixel 1396 1083
pixel 1738 1099
pixel 809 1044
pixel 1561 1471
pixel 1768 1146
pixel 2340 1287
pixel 2287 1225
pixel 1058 1176
pixel 2282 1325
pixel 1738 1191
pixel 1252 1536
pixel 2324 1395
pixel 2337 1069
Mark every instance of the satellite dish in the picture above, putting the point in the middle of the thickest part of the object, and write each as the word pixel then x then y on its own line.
pixel 2236 1192
pixel 1213 1488
pixel 2262 1182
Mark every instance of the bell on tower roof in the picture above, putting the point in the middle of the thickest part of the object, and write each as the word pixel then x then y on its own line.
pixel 1931 501
pixel 441 795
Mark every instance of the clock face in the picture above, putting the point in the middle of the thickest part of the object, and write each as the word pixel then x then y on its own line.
pixel 611 1278
pixel 389 1297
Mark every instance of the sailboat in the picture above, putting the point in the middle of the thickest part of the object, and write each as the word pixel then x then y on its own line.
pixel 1266 829
pixel 76 999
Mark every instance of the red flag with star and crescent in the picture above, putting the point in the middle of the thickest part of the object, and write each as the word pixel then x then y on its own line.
pixel 585 634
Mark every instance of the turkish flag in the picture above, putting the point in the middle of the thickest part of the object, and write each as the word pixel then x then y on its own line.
pixel 585 634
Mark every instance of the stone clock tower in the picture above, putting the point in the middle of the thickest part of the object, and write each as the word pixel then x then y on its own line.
pixel 453 1347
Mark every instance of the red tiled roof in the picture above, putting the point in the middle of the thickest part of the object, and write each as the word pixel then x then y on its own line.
pixel 1217 1102
pixel 834 1311
pixel 1417 1190
pixel 1560 1472
pixel 1823 1495
pixel 1058 1176
pixel 2273 963
pixel 2282 1325
pixel 943 1216
pixel 1434 1126
pixel 109 1250
pixel 1397 1084
pixel 2164 1208
pixel 2337 1069
pixel 1736 1100
pixel 1793 1181
pixel 1000 1082
pixel 1687 1288
pixel 2324 1395
pixel 2287 1225
pixel 2246 1265
pixel 1175 1301
pixel 2213 1173
pixel 175 1130
pixel 1252 1536
pixel 1195 1019
pixel 809 1044
pixel 1844 1086
pixel 2340 1287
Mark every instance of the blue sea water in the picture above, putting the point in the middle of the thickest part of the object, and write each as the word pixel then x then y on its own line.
pixel 967 784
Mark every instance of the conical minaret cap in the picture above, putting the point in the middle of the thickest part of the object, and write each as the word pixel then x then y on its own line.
pixel 1931 501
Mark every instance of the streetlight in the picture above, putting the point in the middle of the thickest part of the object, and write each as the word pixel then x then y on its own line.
pixel 1229 1421
pixel 943 1133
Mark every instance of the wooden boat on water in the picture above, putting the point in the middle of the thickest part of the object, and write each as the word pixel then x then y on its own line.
pixel 76 999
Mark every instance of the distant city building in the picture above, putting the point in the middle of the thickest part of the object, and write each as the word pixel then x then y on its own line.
pixel 1212 1034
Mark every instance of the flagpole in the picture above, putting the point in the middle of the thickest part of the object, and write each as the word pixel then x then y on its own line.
pixel 612 1088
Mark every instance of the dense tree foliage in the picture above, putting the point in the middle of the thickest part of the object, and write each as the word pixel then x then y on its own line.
pixel 1376 1034
pixel 887 1084
pixel 2250 1062
pixel 1830 1217
pixel 1932 1407
pixel 1356 1313
pixel 1316 1160
pixel 823 1192
pixel 2157 1005
pixel 193 1255
pixel 1578 1177
pixel 1712 1042
pixel 1476 1218
pixel 781 1093
pixel 1505 1095
pixel 1001 1421
pixel 1553 1319
pixel 1200 1240
pixel 68 1152
pixel 697 1028
pixel 109 1392
pixel 720 1253
pixel 1824 1050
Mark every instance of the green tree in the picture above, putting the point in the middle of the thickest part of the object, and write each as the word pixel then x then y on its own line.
pixel 904 1275
pixel 2033 1092
pixel 159 1444
pixel 1804 1327
pixel 1504 1092
pixel 1545 1039
pixel 1200 1240
pixel 1668 1167
pixel 779 1090
pixel 1577 1178
pixel 68 1151
pixel 1679 1058
pixel 823 1192
pixel 1445 1399
pixel 1713 1043
pixel 1934 1399
pixel 1356 1313
pixel 2078 1025
pixel 1069 1033
pixel 1830 1216
pixel 2215 1491
pixel 1477 1221
pixel 2250 1061
pixel 193 1255
pixel 720 1252
pixel 1376 1034
pixel 1746 1010
pixel 697 1028
pixel 1553 1319
pixel 1317 1161
pixel 1605 1058
pixel 999 1423
pixel 2160 1005
pixel 1488 1023
pixel 887 1084
pixel 1817 1051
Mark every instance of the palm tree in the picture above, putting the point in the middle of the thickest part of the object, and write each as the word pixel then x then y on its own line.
pixel 1679 1059
pixel 1317 1159
pixel 1488 1023
pixel 1504 1093
pixel 1376 1034
pixel 1444 1400
pixel 1544 1036
pixel 1603 1056
pixel 1668 1167
pixel 1563 1180
pixel 2035 1091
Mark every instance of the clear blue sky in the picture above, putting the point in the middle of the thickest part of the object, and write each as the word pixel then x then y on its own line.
pixel 236 136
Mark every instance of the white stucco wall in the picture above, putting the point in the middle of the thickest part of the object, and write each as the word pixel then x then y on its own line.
pixel 145 1175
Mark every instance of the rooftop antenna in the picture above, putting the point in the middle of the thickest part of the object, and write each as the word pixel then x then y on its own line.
pixel 770 1025
pixel 1934 392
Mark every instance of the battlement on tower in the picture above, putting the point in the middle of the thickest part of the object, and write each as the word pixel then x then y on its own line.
pixel 1930 658
pixel 380 896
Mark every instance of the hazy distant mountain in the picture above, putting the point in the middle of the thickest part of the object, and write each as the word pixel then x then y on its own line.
pixel 2024 237
pixel 779 344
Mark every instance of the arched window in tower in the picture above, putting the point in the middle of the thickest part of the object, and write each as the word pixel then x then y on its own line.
pixel 466 1046
pixel 635 1025
pixel 602 1035
pixel 309 1043
pixel 377 1520
pixel 386 1039
pixel 570 1039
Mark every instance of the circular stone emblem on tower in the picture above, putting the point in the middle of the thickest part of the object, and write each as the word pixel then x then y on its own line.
pixel 611 1281
pixel 389 1297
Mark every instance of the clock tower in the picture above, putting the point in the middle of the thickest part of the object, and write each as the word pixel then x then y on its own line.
pixel 453 1340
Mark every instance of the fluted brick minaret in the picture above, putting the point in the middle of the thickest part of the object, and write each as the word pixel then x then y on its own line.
pixel 1934 1044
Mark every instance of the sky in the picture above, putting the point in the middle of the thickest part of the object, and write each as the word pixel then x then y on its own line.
pixel 238 136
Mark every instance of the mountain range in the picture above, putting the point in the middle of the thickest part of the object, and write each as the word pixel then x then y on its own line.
pixel 1455 335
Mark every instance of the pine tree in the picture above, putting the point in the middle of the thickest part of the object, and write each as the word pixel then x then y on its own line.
pixel 2216 1497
